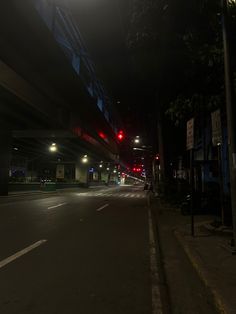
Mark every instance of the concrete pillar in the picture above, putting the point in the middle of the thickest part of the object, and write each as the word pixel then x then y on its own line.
pixel 81 173
pixel 5 157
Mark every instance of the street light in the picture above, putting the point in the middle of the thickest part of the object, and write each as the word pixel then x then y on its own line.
pixel 137 140
pixel 53 147
pixel 85 159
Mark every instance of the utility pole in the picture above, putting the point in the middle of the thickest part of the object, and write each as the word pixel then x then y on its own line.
pixel 160 144
pixel 230 110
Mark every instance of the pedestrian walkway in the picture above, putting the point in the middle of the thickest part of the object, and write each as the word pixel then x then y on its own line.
pixel 209 254
pixel 139 195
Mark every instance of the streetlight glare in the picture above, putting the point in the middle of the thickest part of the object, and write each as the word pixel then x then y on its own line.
pixel 53 147
pixel 85 159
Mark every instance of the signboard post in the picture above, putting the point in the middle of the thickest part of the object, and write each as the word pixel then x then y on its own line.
pixel 190 147
pixel 216 128
pixel 217 141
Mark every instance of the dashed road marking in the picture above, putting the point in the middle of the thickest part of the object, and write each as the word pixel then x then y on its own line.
pixel 100 208
pixel 20 253
pixel 59 205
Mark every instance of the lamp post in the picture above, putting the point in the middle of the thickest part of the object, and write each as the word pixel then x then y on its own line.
pixel 230 109
pixel 154 158
pixel 85 162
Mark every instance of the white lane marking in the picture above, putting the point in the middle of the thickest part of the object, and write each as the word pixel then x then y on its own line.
pixel 20 253
pixel 57 205
pixel 100 208
pixel 156 295
pixel 132 195
pixel 126 195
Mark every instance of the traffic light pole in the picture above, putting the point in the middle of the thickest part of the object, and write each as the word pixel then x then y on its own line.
pixel 192 191
pixel 231 112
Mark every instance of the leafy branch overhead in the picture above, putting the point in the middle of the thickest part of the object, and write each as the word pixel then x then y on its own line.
pixel 182 40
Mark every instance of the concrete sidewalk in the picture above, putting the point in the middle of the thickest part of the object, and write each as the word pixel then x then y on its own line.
pixel 208 251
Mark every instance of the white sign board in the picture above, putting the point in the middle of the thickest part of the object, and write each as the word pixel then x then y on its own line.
pixel 60 173
pixel 216 128
pixel 190 134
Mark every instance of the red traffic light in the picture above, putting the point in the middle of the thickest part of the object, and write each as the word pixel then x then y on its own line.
pixel 137 169
pixel 120 136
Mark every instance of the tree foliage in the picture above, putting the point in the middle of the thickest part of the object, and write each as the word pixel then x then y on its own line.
pixel 186 38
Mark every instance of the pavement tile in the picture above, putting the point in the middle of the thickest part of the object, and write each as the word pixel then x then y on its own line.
pixel 214 264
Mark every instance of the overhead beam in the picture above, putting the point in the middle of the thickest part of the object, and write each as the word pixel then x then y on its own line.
pixel 43 134
pixel 19 87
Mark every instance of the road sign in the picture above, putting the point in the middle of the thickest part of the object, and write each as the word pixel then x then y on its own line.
pixel 60 172
pixel 216 128
pixel 190 134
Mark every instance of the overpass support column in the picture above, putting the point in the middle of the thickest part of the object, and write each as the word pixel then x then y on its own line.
pixel 81 173
pixel 5 157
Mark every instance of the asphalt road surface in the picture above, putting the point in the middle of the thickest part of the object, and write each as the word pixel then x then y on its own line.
pixel 80 252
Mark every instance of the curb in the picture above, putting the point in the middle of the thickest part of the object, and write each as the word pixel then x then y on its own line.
pixel 197 265
pixel 219 231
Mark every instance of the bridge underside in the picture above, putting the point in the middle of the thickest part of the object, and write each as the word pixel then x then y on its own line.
pixel 42 99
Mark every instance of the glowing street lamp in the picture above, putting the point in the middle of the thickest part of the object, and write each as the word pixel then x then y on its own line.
pixel 85 159
pixel 137 140
pixel 53 147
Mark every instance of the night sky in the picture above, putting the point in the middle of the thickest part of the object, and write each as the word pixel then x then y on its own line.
pixel 139 77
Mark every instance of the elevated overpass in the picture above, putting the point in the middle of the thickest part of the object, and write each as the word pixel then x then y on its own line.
pixel 49 91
